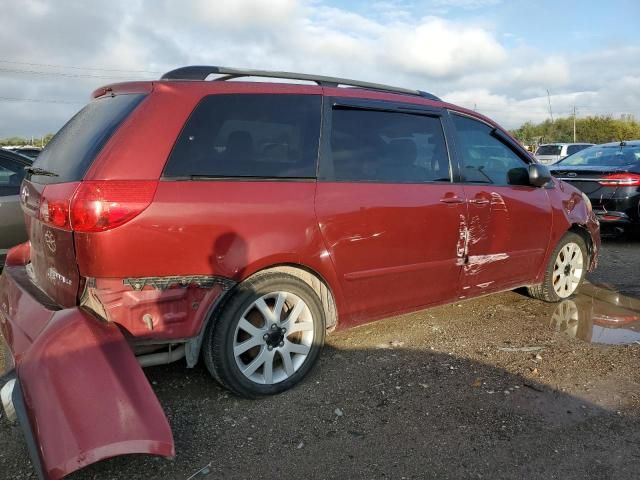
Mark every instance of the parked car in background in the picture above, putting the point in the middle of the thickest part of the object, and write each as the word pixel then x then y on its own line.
pixel 12 228
pixel 610 176
pixel 27 150
pixel 551 153
pixel 239 222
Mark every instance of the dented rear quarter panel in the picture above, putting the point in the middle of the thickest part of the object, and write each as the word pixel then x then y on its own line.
pixel 233 229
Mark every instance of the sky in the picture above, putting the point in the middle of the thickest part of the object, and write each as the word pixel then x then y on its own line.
pixel 506 59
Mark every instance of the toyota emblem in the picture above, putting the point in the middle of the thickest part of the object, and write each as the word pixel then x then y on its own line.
pixel 50 240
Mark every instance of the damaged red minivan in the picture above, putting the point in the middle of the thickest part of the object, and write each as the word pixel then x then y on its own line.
pixel 237 221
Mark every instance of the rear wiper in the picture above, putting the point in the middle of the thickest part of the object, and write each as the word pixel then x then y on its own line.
pixel 40 171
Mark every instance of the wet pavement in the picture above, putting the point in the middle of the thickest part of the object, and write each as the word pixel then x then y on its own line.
pixel 499 387
pixel 599 315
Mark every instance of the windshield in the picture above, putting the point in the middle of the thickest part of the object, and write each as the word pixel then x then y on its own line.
pixel 603 156
pixel 549 150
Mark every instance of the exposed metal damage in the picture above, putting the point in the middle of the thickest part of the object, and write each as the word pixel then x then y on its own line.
pixel 156 308
pixel 162 283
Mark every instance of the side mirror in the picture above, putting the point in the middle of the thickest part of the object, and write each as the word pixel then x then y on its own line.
pixel 539 175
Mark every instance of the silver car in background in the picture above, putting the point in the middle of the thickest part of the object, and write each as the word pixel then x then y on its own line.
pixel 12 229
pixel 550 153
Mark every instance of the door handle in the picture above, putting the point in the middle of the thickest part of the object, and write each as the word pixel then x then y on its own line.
pixel 480 201
pixel 452 200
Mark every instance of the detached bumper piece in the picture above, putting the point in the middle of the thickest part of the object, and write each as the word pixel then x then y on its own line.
pixel 79 392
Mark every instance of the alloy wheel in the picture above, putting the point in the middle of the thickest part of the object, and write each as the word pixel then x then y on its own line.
pixel 567 270
pixel 273 338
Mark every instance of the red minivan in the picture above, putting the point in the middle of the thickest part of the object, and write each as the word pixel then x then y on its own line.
pixel 239 221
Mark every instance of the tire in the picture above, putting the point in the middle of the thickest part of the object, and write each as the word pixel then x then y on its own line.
pixel 563 277
pixel 252 351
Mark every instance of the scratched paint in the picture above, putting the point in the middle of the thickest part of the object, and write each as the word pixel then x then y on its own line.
pixel 463 240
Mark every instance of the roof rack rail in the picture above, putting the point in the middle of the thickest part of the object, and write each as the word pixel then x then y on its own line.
pixel 201 72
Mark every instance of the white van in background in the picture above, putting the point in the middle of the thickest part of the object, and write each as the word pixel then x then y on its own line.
pixel 554 152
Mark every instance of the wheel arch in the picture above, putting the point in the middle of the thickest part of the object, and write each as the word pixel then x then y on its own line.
pixel 308 275
pixel 584 233
pixel 315 281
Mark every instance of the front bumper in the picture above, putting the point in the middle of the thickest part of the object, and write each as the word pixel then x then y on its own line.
pixel 80 394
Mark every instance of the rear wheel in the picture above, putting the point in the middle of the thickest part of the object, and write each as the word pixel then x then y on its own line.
pixel 267 337
pixel 565 271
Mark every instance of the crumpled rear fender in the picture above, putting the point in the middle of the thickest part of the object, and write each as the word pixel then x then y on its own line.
pixel 85 396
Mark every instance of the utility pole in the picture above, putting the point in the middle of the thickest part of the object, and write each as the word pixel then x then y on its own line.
pixel 574 124
pixel 549 100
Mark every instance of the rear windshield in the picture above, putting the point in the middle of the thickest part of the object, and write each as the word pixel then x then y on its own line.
pixel 571 149
pixel 71 151
pixel 549 150
pixel 604 156
pixel 249 135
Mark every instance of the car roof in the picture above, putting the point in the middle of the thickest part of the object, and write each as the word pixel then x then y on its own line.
pixel 11 155
pixel 565 143
pixel 627 143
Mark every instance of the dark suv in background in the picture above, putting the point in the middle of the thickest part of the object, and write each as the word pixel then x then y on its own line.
pixel 238 222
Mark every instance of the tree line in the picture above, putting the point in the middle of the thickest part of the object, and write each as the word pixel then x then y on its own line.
pixel 19 141
pixel 593 129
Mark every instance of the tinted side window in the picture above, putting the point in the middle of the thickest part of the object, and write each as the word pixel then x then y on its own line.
pixel 11 175
pixel 484 158
pixel 378 146
pixel 72 150
pixel 249 135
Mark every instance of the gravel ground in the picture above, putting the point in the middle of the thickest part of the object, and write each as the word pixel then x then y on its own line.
pixel 443 393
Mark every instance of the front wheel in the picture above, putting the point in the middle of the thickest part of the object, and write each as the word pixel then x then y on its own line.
pixel 565 271
pixel 267 337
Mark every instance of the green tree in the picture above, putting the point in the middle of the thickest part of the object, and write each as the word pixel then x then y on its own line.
pixel 19 141
pixel 592 129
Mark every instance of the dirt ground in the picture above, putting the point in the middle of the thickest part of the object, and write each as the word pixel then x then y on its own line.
pixel 443 393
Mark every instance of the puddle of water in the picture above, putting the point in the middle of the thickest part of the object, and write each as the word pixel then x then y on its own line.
pixel 599 315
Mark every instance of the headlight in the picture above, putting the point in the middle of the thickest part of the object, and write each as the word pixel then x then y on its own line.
pixel 587 202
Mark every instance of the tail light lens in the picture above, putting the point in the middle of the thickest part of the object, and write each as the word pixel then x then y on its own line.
pixel 95 206
pixel 621 180
pixel 102 205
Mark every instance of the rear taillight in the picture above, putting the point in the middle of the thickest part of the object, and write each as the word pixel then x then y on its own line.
pixel 54 204
pixel 106 204
pixel 95 206
pixel 621 180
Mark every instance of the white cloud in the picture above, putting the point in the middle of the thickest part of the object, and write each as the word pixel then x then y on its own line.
pixel 438 48
pixel 466 62
pixel 466 4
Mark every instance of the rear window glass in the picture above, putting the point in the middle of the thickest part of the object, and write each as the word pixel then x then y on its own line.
pixel 249 135
pixel 571 149
pixel 549 150
pixel 604 156
pixel 71 151
pixel 389 147
pixel 11 175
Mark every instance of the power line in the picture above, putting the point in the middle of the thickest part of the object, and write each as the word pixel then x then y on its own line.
pixel 50 65
pixel 39 100
pixel 62 74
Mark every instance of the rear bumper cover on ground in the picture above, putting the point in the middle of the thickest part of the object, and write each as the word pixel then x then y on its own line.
pixel 80 393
